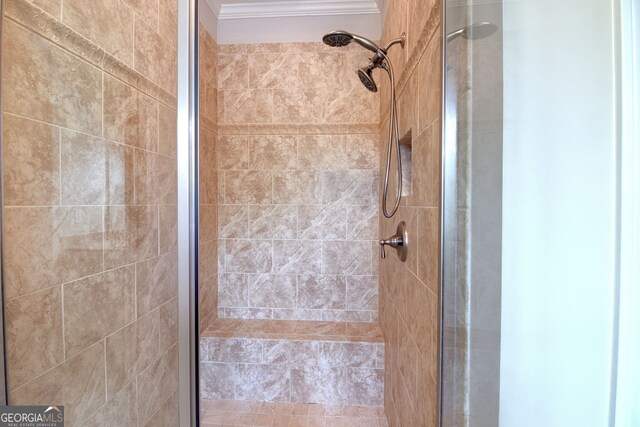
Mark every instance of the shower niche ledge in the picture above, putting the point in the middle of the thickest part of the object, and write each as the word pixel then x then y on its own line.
pixel 293 361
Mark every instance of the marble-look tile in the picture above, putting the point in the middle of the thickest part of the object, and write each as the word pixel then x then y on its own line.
pixel 208 222
pixel 130 116
pixel 168 324
pixel 348 106
pixel 247 256
pixel 157 383
pixel 107 24
pixel 120 410
pixel 272 291
pixel 365 386
pixel 97 306
pixel 429 247
pixel 297 187
pixel 154 58
pixel 31 162
pixel 61 89
pixel 52 7
pixel 167 415
pixel 348 188
pixel 233 290
pixel 146 10
pixel 296 256
pixel 233 152
pixel 51 246
pixel 245 106
pixel 362 151
pixel 250 187
pixel 233 221
pixel 168 229
pixel 291 353
pixel 208 56
pixel 272 70
pixel 362 292
pixel 156 282
pixel 83 169
pixel 271 152
pixel 318 385
pixel 229 49
pixel 167 130
pixel 300 106
pixel 40 314
pixel 270 383
pixel 346 257
pixel 168 21
pixel 131 234
pixel 272 222
pixel 78 384
pixel 233 71
pixel 430 91
pixel 208 186
pixel 322 222
pixel 321 291
pixel 209 98
pixel 119 172
pixel 363 222
pixel 426 157
pixel 348 355
pixel 217 380
pixel 130 350
pixel 321 152
pixel 234 350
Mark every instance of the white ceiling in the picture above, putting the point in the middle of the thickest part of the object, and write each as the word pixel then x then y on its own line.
pixel 268 21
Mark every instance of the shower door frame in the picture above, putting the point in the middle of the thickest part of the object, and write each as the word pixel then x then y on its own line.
pixel 3 364
pixel 188 214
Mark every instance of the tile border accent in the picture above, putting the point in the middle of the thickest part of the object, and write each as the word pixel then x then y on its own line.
pixel 299 129
pixel 425 37
pixel 45 25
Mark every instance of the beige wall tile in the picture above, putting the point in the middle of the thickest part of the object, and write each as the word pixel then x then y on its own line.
pixel 247 256
pixel 168 324
pixel 272 152
pixel 156 282
pixel 61 89
pixel 279 70
pixel 168 21
pixel 429 246
pixel 147 10
pixel 272 291
pixel 300 106
pixel 40 314
pixel 120 174
pixel 430 94
pixel 97 306
pixel 297 188
pixel 250 187
pixel 52 7
pixel 130 350
pixel 272 222
pixel 78 384
pixel 168 228
pixel 322 292
pixel 107 23
pixel 233 152
pixel 322 222
pixel 120 410
pixel 167 415
pixel 296 257
pixel 233 71
pixel 245 106
pixel 153 57
pixel 130 116
pixel 346 258
pixel 157 383
pixel 83 169
pixel 31 162
pixel 167 130
pixel 131 234
pixel 51 246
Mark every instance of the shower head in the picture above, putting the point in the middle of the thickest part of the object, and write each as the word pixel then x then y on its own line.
pixel 367 79
pixel 478 30
pixel 340 38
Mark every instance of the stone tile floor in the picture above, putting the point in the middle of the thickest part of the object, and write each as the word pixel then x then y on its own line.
pixel 223 413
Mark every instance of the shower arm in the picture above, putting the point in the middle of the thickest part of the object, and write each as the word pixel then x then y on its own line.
pixel 393 131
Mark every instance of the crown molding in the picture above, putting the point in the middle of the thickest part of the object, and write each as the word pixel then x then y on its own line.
pixel 292 8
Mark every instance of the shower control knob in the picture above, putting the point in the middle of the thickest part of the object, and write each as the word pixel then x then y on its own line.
pixel 400 241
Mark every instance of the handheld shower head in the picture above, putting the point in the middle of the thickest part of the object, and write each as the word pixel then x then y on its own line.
pixel 367 79
pixel 340 38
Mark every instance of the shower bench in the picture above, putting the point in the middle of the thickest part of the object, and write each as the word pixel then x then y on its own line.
pixel 293 361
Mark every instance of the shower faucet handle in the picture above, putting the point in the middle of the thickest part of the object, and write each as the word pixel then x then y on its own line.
pixel 400 241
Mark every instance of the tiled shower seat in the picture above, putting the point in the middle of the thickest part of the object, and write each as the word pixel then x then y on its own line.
pixel 293 361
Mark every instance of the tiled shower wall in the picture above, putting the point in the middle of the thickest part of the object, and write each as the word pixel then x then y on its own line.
pixel 298 178
pixel 208 255
pixel 409 291
pixel 90 208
